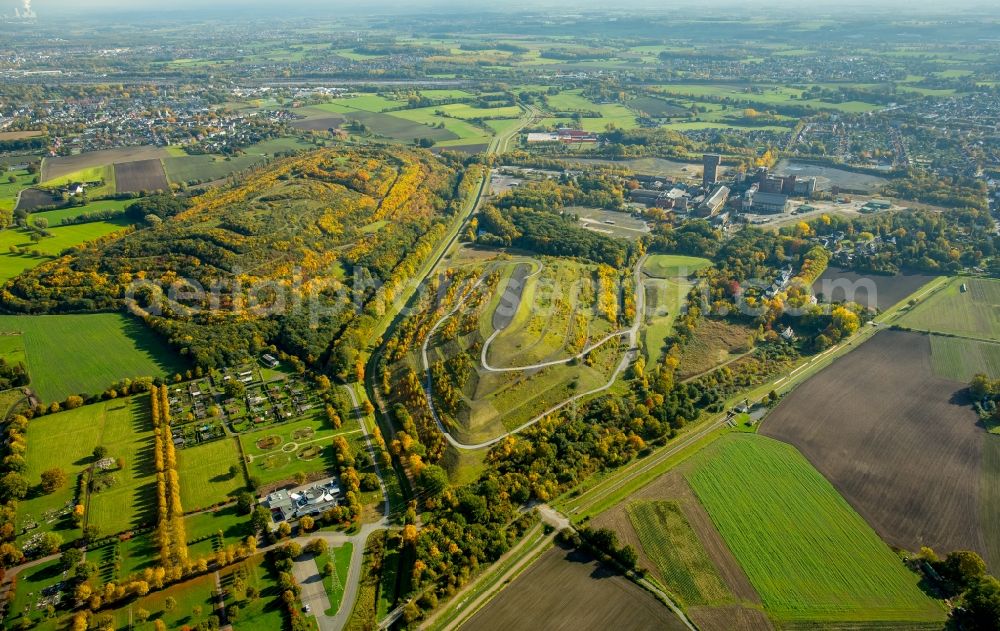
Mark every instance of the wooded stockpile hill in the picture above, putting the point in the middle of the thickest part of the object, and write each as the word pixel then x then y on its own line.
pixel 270 260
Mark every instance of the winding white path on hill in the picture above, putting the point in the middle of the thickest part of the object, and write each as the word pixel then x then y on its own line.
pixel 627 358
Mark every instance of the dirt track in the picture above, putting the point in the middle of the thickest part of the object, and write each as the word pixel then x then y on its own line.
pixel 899 443
pixel 511 298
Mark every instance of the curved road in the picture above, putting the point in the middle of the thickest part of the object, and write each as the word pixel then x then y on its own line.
pixel 305 570
pixel 627 358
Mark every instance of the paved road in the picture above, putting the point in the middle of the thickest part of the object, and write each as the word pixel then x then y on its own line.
pixel 371 450
pixel 220 603
pixel 307 574
pixel 553 362
pixel 313 594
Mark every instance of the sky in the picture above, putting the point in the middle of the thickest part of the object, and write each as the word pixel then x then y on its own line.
pixel 326 7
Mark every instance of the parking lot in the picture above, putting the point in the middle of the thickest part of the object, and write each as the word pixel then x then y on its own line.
pixel 609 222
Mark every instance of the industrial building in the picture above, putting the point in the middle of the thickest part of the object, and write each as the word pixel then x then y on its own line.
pixel 710 174
pixel 786 185
pixel 762 202
pixel 713 203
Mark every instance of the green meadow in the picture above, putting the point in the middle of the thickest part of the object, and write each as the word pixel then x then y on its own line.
pixel 87 353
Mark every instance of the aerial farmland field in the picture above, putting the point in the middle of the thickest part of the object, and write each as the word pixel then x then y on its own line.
pixel 959 358
pixel 56 217
pixel 9 190
pixel 558 592
pixel 807 553
pixel 59 167
pixel 973 312
pixel 401 128
pixel 682 551
pixel 140 175
pixel 61 357
pixel 874 443
pixel 874 291
pixel 761 95
pixel 671 542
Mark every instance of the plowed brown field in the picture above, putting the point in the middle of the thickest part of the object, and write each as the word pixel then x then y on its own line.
pixel 569 591
pixel 901 444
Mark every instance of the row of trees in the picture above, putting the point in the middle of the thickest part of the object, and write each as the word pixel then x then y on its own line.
pixel 171 534
pixel 281 560
pixel 14 486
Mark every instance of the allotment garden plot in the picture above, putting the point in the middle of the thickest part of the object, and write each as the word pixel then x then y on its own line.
pixel 205 408
pixel 276 422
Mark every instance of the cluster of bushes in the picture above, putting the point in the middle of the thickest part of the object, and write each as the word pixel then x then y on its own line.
pixel 951 192
pixel 603 543
pixel 962 577
pixel 936 242
pixel 12 375
pixel 550 233
pixel 986 395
